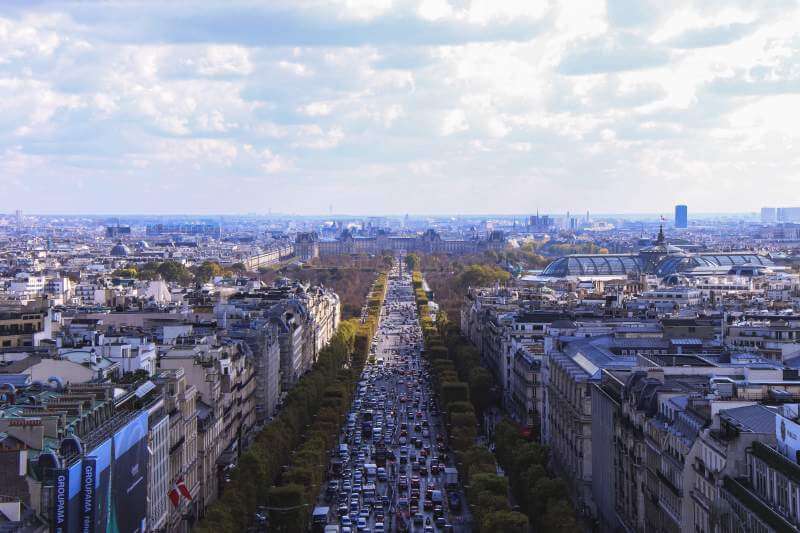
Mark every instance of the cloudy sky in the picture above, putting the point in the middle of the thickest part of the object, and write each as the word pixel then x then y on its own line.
pixel 418 106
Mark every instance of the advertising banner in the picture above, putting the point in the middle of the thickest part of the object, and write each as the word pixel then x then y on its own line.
pixel 61 501
pixel 129 478
pixel 74 493
pixel 88 482
pixel 101 458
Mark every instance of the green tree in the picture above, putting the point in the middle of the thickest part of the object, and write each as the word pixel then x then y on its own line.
pixel 506 521
pixel 238 268
pixel 208 270
pixel 129 272
pixel 545 491
pixel 482 275
pixel 455 392
pixel 507 439
pixel 491 483
pixel 529 454
pixel 149 271
pixel 478 460
pixel 387 258
pixel 413 261
pixel 174 271
pixel 480 388
pixel 288 509
pixel 559 518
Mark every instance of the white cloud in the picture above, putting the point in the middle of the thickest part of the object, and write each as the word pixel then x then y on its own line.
pixel 225 60
pixel 434 9
pixel 316 109
pixel 317 138
pixel 365 9
pixel 576 102
pixel 454 121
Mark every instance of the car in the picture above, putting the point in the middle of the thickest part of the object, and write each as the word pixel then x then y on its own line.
pixel 419 518
pixel 345 521
pixel 361 524
pixel 440 522
pixel 378 528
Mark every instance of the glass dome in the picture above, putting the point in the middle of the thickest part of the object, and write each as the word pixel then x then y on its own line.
pixel 592 265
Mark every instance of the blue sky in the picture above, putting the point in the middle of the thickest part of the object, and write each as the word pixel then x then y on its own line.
pixel 418 106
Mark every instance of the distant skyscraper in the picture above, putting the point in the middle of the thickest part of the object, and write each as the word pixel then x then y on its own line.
pixel 681 216
pixel 788 214
pixel 539 222
pixel 769 215
pixel 19 220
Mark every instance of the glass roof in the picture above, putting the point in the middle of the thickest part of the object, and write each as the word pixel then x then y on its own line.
pixel 592 265
pixel 622 265
pixel 672 265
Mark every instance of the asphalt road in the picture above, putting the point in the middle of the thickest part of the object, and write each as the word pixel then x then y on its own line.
pixel 394 397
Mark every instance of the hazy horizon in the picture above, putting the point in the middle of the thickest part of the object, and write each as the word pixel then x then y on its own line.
pixel 358 106
pixel 575 213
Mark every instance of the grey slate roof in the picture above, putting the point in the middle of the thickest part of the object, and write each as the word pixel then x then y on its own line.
pixel 752 418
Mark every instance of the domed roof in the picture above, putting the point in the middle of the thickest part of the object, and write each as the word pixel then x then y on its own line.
pixel 120 250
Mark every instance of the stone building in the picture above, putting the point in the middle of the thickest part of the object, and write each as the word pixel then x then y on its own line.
pixel 309 245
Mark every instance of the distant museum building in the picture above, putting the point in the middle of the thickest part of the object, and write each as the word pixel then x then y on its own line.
pixel 308 245
pixel 662 259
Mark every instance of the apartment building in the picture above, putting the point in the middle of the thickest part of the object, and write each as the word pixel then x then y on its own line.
pixel 181 405
pixel 776 338
pixel 27 286
pixel 24 325
pixel 302 318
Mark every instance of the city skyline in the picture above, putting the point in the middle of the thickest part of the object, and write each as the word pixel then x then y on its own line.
pixel 662 216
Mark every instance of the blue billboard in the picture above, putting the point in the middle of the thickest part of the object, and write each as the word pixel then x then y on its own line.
pixel 60 500
pixel 96 484
pixel 128 510
pixel 66 505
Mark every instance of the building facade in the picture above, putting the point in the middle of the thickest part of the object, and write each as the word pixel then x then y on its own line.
pixel 309 245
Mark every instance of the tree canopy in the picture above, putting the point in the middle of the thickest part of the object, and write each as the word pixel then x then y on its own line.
pixel 413 261
pixel 481 275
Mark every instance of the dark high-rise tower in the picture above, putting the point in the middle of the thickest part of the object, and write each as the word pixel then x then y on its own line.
pixel 681 216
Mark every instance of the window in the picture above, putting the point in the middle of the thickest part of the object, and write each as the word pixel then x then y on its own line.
pixel 783 494
pixel 761 478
